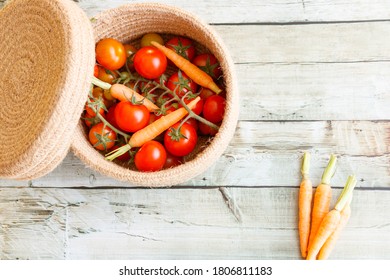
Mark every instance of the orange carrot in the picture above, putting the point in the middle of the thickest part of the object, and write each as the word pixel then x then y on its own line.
pixel 194 72
pixel 331 241
pixel 322 198
pixel 304 205
pixel 331 220
pixel 124 93
pixel 152 130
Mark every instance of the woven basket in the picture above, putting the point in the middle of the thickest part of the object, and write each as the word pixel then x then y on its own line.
pixel 46 57
pixel 127 24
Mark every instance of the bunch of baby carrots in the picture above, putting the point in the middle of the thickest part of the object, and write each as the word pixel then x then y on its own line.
pixel 319 227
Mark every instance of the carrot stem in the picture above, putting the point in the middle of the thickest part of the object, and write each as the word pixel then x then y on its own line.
pixel 100 83
pixel 118 152
pixel 329 170
pixel 346 194
pixel 305 165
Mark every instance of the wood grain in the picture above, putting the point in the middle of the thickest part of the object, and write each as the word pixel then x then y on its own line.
pixel 313 75
pixel 269 154
pixel 314 91
pixel 175 224
pixel 266 11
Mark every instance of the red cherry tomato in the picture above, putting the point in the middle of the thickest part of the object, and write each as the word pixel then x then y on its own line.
pixel 130 50
pixel 102 137
pixel 91 120
pixel 96 71
pixel 106 75
pixel 130 117
pixel 110 54
pixel 110 116
pixel 150 157
pixel 214 108
pixel 204 93
pixel 172 161
pixel 180 83
pixel 180 146
pixel 93 106
pixel 209 64
pixel 182 46
pixel 150 62
pixel 204 129
pixel 193 122
pixel 198 107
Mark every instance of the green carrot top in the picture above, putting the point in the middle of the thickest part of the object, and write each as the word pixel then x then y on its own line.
pixel 346 194
pixel 329 170
pixel 305 165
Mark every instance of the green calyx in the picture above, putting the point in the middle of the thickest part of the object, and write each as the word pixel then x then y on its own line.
pixel 175 134
pixel 103 139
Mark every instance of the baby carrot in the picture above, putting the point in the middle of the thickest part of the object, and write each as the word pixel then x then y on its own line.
pixel 331 241
pixel 322 198
pixel 331 220
pixel 195 73
pixel 304 205
pixel 152 130
pixel 124 93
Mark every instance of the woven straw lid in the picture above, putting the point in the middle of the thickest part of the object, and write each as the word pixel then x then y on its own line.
pixel 46 64
pixel 127 24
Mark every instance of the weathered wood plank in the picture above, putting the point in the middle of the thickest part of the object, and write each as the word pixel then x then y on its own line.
pixel 318 91
pixel 180 223
pixel 268 11
pixel 268 154
pixel 318 43
pixel 310 72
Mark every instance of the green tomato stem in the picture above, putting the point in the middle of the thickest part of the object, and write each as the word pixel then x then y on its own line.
pixel 126 136
pixel 190 112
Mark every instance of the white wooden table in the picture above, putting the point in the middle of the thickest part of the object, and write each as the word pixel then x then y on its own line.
pixel 313 75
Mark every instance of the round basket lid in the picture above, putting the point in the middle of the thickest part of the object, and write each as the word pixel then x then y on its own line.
pixel 46 65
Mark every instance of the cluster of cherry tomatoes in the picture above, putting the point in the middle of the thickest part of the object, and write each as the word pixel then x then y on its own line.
pixel 147 71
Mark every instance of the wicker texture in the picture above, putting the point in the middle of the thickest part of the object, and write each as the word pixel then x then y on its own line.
pixel 46 60
pixel 127 23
